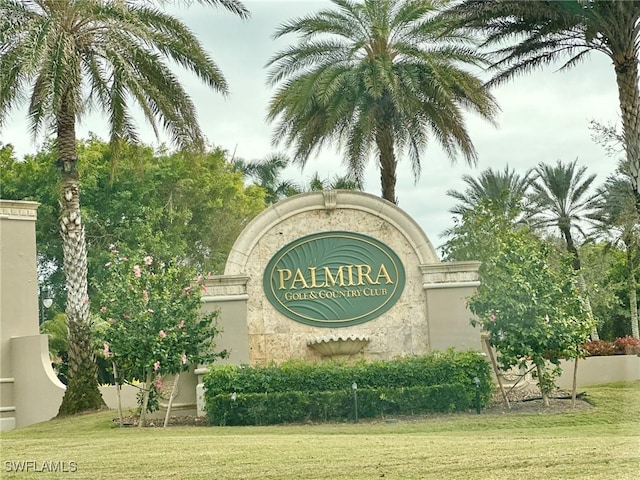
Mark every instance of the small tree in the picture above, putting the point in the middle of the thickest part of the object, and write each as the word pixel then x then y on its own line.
pixel 530 305
pixel 155 323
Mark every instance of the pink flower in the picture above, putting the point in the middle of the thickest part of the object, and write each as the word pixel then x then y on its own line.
pixel 103 309
pixel 136 271
pixel 186 291
pixel 85 300
pixel 145 295
pixel 158 384
pixel 148 260
pixel 203 288
pixel 156 366
pixel 181 324
pixel 184 359
pixel 162 334
pixel 126 315
pixel 493 317
pixel 111 320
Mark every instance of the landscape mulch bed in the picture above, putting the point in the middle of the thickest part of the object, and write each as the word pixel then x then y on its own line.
pixel 521 402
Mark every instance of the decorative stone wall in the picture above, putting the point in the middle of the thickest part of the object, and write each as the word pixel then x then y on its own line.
pixel 407 328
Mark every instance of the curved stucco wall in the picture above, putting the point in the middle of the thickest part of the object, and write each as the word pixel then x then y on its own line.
pixel 402 330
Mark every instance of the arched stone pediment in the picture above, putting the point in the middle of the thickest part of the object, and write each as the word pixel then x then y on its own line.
pixel 368 208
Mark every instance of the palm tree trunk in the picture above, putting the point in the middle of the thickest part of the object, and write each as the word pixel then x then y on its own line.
pixel 82 391
pixel 582 286
pixel 626 67
pixel 385 143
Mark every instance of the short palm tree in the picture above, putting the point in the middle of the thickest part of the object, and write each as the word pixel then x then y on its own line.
pixel 376 75
pixel 617 220
pixel 267 173
pixel 505 190
pixel 68 56
pixel 528 34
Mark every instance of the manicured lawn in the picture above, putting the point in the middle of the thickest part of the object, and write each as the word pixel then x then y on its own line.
pixel 598 443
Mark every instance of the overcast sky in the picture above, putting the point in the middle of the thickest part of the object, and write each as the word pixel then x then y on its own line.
pixel 544 118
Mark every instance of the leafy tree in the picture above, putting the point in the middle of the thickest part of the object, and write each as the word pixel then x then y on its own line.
pixel 67 56
pixel 375 76
pixel 528 34
pixel 181 204
pixel 604 268
pixel 529 305
pixel 155 328
pixel 618 220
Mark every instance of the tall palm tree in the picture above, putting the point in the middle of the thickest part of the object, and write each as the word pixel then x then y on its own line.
pixel 562 200
pixel 528 34
pixel 68 56
pixel 506 190
pixel 376 75
pixel 617 219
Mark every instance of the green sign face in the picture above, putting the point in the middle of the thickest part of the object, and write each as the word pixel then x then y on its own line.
pixel 334 279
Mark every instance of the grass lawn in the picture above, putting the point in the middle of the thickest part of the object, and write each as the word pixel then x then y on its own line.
pixel 598 443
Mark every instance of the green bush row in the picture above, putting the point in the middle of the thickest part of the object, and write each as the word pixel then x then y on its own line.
pixel 437 368
pixel 295 406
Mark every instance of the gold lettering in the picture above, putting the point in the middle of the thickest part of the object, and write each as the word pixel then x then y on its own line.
pixel 330 280
pixel 363 272
pixel 312 271
pixel 384 274
pixel 298 277
pixel 284 274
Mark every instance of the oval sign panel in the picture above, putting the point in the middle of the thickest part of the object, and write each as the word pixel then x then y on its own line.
pixel 334 279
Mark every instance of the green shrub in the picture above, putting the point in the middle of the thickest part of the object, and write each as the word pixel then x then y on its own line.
pixel 301 391
pixel 288 407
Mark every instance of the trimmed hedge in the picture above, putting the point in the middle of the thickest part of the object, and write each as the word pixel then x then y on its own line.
pixel 287 407
pixel 300 391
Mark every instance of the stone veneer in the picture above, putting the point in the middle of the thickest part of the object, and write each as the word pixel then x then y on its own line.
pixel 407 328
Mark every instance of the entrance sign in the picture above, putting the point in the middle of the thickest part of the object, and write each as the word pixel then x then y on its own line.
pixel 334 279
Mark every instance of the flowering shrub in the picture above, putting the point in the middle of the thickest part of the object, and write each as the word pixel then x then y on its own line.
pixel 155 326
pixel 620 346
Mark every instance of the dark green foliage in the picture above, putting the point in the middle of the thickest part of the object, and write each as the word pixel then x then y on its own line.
pixel 295 406
pixel 301 391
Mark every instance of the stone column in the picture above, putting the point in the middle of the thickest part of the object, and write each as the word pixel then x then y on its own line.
pixel 447 286
pixel 30 392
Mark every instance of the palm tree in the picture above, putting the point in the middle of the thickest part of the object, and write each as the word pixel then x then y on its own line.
pixel 617 219
pixel 266 174
pixel 68 56
pixel 505 190
pixel 338 182
pixel 377 75
pixel 529 34
pixel 560 197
